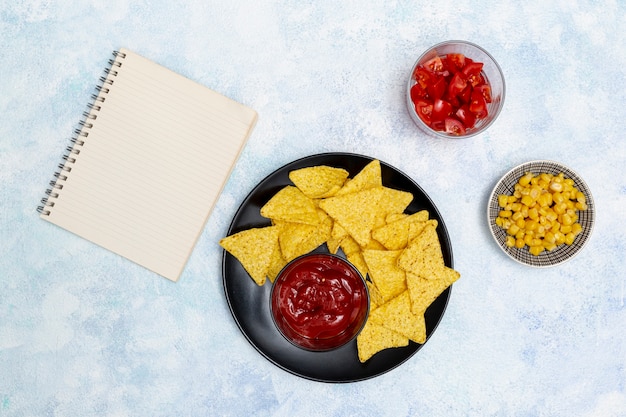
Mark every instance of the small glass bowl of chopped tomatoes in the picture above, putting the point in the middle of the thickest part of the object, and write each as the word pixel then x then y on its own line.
pixel 456 90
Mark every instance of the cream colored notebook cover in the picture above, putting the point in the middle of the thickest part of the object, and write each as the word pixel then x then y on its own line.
pixel 151 158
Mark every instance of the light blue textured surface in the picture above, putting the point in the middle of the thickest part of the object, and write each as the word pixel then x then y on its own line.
pixel 84 332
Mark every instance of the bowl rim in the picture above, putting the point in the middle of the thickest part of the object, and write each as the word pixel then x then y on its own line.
pixel 578 245
pixel 410 83
pixel 361 279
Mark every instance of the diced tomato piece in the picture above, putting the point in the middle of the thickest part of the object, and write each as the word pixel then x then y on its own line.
pixel 464 114
pixel 423 76
pixel 472 68
pixel 485 90
pixel 437 88
pixel 434 64
pixel 417 92
pixel 424 110
pixel 455 62
pixel 438 125
pixel 453 126
pixel 457 84
pixel 441 110
pixel 476 80
pixel 466 94
pixel 478 105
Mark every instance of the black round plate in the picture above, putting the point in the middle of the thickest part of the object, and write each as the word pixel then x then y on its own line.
pixel 250 305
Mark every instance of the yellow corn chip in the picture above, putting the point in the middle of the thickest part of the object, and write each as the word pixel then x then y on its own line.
pixel 277 263
pixel 356 212
pixel 356 259
pixel 423 291
pixel 369 177
pixel 396 315
pixel 297 239
pixel 319 181
pixel 422 253
pixel 253 248
pixel 384 272
pixel 291 205
pixel 395 235
pixel 375 338
pixel 375 298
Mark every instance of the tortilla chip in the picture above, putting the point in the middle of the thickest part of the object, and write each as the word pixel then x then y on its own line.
pixel 375 338
pixel 356 259
pixel 423 291
pixel 395 235
pixel 384 272
pixel 319 181
pixel 296 239
pixel 375 298
pixel 396 315
pixel 277 263
pixel 253 248
pixel 356 212
pixel 422 253
pixel 369 177
pixel 291 205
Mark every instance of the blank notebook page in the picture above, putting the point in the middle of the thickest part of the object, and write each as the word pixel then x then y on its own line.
pixel 153 158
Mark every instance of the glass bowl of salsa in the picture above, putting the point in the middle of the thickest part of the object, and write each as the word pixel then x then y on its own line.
pixel 456 89
pixel 319 302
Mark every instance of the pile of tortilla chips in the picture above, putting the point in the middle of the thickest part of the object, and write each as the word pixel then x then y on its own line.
pixel 399 253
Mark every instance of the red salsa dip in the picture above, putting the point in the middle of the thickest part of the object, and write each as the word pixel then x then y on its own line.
pixel 319 301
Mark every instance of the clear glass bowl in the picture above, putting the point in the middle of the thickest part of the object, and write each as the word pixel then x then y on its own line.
pixel 491 72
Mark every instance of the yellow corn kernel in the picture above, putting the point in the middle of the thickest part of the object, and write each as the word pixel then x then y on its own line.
pixel 505 213
pixel 549 237
pixel 519 243
pixel 527 200
pixel 566 220
pixel 560 238
pixel 558 198
pixel 560 208
pixel 576 228
pixel 513 229
pixel 531 225
pixel 556 187
pixel 536 250
pixel 580 206
pixel 517 215
pixel 510 241
pixel 511 199
pixel 566 228
pixel 580 197
pixel 549 246
pixel 503 199
pixel 525 180
pixel 528 239
pixel 569 238
pixel 545 200
pixel 533 213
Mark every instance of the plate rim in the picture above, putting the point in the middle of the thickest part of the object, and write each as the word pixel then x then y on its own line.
pixel 314 157
pixel 578 179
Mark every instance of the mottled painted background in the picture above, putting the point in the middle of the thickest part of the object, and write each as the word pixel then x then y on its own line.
pixel 84 332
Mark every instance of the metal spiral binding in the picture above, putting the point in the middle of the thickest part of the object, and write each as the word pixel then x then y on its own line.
pixel 81 133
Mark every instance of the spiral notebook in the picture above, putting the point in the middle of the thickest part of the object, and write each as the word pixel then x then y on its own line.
pixel 150 158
